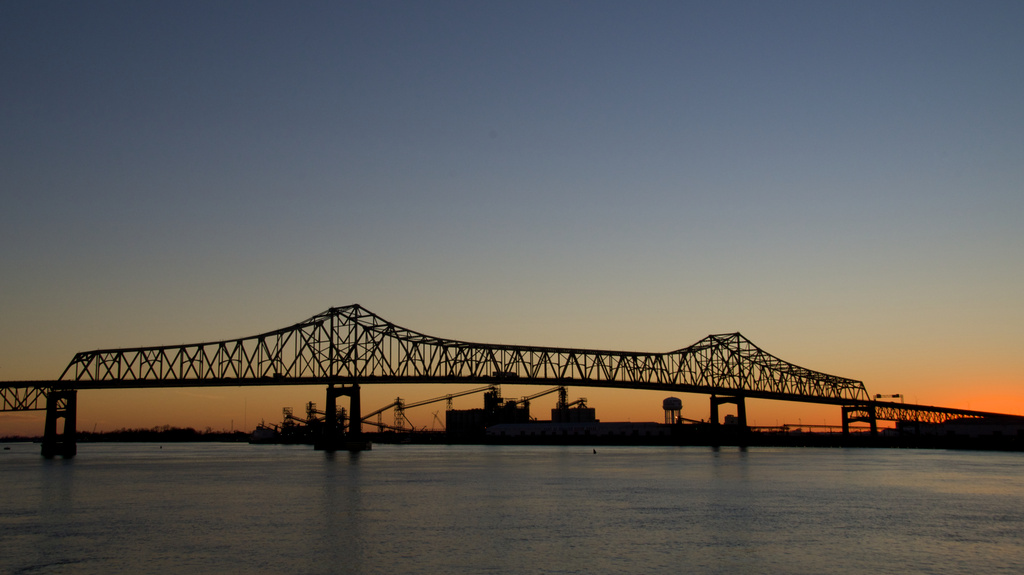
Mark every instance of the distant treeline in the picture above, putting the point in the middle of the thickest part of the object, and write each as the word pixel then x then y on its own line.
pixel 163 433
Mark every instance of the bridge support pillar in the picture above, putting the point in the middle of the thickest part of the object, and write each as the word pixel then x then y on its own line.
pixel 741 409
pixel 334 434
pixel 60 404
pixel 861 413
pixel 355 413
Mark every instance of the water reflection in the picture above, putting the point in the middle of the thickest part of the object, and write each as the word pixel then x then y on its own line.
pixel 511 509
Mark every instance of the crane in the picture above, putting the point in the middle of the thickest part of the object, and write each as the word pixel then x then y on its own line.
pixel 526 400
pixel 400 406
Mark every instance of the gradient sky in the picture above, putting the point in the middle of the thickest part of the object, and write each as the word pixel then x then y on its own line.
pixel 842 182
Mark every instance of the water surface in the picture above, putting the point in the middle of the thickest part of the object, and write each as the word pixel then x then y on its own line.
pixel 236 508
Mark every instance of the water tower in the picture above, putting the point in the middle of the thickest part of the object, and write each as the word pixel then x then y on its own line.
pixel 673 407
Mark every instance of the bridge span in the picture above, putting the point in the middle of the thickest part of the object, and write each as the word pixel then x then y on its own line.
pixel 346 347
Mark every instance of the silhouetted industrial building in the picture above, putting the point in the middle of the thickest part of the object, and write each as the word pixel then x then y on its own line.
pixel 575 414
pixel 473 422
pixel 594 430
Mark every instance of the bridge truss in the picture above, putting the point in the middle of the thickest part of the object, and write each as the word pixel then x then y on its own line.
pixel 352 344
pixel 23 398
pixel 348 346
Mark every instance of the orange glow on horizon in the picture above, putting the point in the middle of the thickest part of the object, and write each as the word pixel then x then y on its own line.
pixel 223 409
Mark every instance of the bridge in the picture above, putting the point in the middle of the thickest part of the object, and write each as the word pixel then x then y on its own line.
pixel 347 347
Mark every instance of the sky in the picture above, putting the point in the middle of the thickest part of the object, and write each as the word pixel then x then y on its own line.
pixel 842 182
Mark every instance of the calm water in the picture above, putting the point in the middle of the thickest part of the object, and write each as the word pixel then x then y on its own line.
pixel 227 508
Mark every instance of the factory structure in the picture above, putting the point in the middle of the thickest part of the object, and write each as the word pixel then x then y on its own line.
pixel 504 420
pixel 500 420
pixel 500 413
pixel 576 423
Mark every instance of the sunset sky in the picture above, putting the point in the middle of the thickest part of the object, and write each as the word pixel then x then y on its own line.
pixel 842 182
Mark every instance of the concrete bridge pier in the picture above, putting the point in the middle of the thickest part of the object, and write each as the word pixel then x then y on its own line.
pixel 741 409
pixel 861 413
pixel 730 434
pixel 60 404
pixel 335 436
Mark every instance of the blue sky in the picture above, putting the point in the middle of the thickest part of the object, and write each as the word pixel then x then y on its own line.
pixel 840 181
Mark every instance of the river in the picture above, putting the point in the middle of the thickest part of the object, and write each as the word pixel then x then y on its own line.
pixel 239 508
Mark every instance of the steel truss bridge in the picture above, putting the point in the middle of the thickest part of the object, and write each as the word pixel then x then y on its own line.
pixel 346 347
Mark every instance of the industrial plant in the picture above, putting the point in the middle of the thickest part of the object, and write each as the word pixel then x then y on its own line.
pixel 499 420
